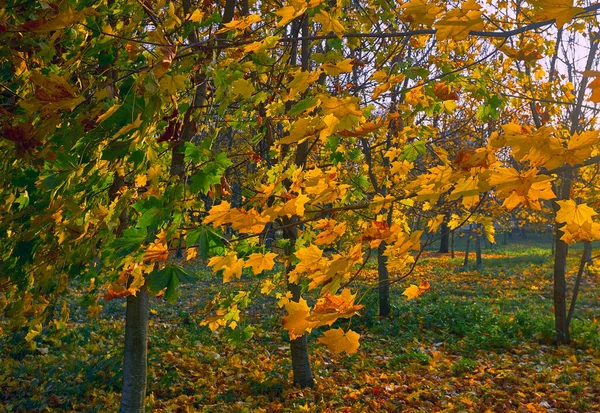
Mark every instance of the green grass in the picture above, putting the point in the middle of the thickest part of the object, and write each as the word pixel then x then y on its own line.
pixel 470 323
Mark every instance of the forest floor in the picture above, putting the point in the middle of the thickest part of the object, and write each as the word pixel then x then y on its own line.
pixel 479 340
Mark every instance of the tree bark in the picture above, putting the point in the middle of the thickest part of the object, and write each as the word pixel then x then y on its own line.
pixel 135 355
pixel 445 237
pixel 561 324
pixel 466 262
pixel 301 368
pixel 478 259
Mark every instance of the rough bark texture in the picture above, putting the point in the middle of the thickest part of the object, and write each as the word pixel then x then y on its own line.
pixel 135 356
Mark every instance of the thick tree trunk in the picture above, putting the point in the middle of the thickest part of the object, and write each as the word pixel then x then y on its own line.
pixel 135 356
pixel 452 245
pixel 445 237
pixel 561 323
pixel 301 369
pixel 384 282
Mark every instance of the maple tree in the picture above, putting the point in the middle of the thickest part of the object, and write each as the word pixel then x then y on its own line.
pixel 124 123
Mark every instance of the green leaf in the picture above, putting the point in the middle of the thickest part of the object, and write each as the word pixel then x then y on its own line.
pixel 131 240
pixel 303 106
pixel 169 278
pixel 412 151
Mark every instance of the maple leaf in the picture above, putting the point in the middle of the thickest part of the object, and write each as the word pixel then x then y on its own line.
pixel 458 22
pixel 247 221
pixel 335 69
pixel 230 264
pixel 53 93
pixel 329 308
pixel 241 24
pixel 414 291
pixel 191 253
pixel 579 147
pixel 243 88
pixel 595 86
pixel 560 10
pixel 330 232
pixel 435 222
pixel 329 24
pixel 421 11
pixel 526 188
pixel 309 256
pixel 338 341
pixel 158 250
pixel 260 262
pixel 296 322
pixel 219 214
pixel 60 21
pixel 572 213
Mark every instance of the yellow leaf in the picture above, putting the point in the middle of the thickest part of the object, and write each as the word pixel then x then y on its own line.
pixel 141 180
pixel 330 307
pixel 243 88
pixel 196 16
pixel 191 253
pixel 266 287
pixel 301 81
pixel 261 262
pixel 247 221
pixel 173 84
pixel 421 11
pixel 458 22
pixel 287 14
pixel 329 24
pixel 158 250
pixel 219 214
pixel 338 341
pixel 34 330
pixel 134 125
pixel 230 264
pixel 296 322
pixel 572 213
pixel 414 291
pixel 434 223
pixel 595 86
pixel 241 24
pixel 309 256
pixel 561 10
pixel 335 69
pixel 109 112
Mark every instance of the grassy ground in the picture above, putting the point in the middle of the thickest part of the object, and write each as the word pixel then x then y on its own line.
pixel 479 340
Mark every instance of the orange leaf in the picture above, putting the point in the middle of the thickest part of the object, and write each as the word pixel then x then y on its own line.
pixel 338 341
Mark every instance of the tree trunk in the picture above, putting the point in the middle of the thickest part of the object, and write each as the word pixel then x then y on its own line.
pixel 445 237
pixel 561 324
pixel 452 245
pixel 466 262
pixel 301 369
pixel 478 259
pixel 135 356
